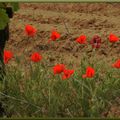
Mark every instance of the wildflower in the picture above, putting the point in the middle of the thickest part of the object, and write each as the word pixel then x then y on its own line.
pixel 116 64
pixel 36 57
pixel 59 68
pixel 7 56
pixel 67 74
pixel 90 72
pixel 81 39
pixel 95 42
pixel 113 38
pixel 54 36
pixel 30 30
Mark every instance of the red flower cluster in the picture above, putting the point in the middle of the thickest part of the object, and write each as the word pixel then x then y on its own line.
pixel 81 39
pixel 60 68
pixel 113 38
pixel 30 30
pixel 90 72
pixel 67 74
pixel 54 36
pixel 116 64
pixel 36 57
pixel 7 56
pixel 96 41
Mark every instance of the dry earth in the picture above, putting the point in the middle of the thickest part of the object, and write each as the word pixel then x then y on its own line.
pixel 80 18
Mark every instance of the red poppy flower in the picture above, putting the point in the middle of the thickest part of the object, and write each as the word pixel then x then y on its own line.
pixel 90 72
pixel 54 36
pixel 113 38
pixel 95 42
pixel 67 74
pixel 81 39
pixel 59 68
pixel 116 64
pixel 36 57
pixel 7 56
pixel 30 30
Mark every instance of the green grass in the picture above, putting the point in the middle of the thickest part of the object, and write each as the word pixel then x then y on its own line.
pixel 33 91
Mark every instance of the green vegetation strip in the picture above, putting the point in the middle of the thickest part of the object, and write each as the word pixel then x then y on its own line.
pixel 60 1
